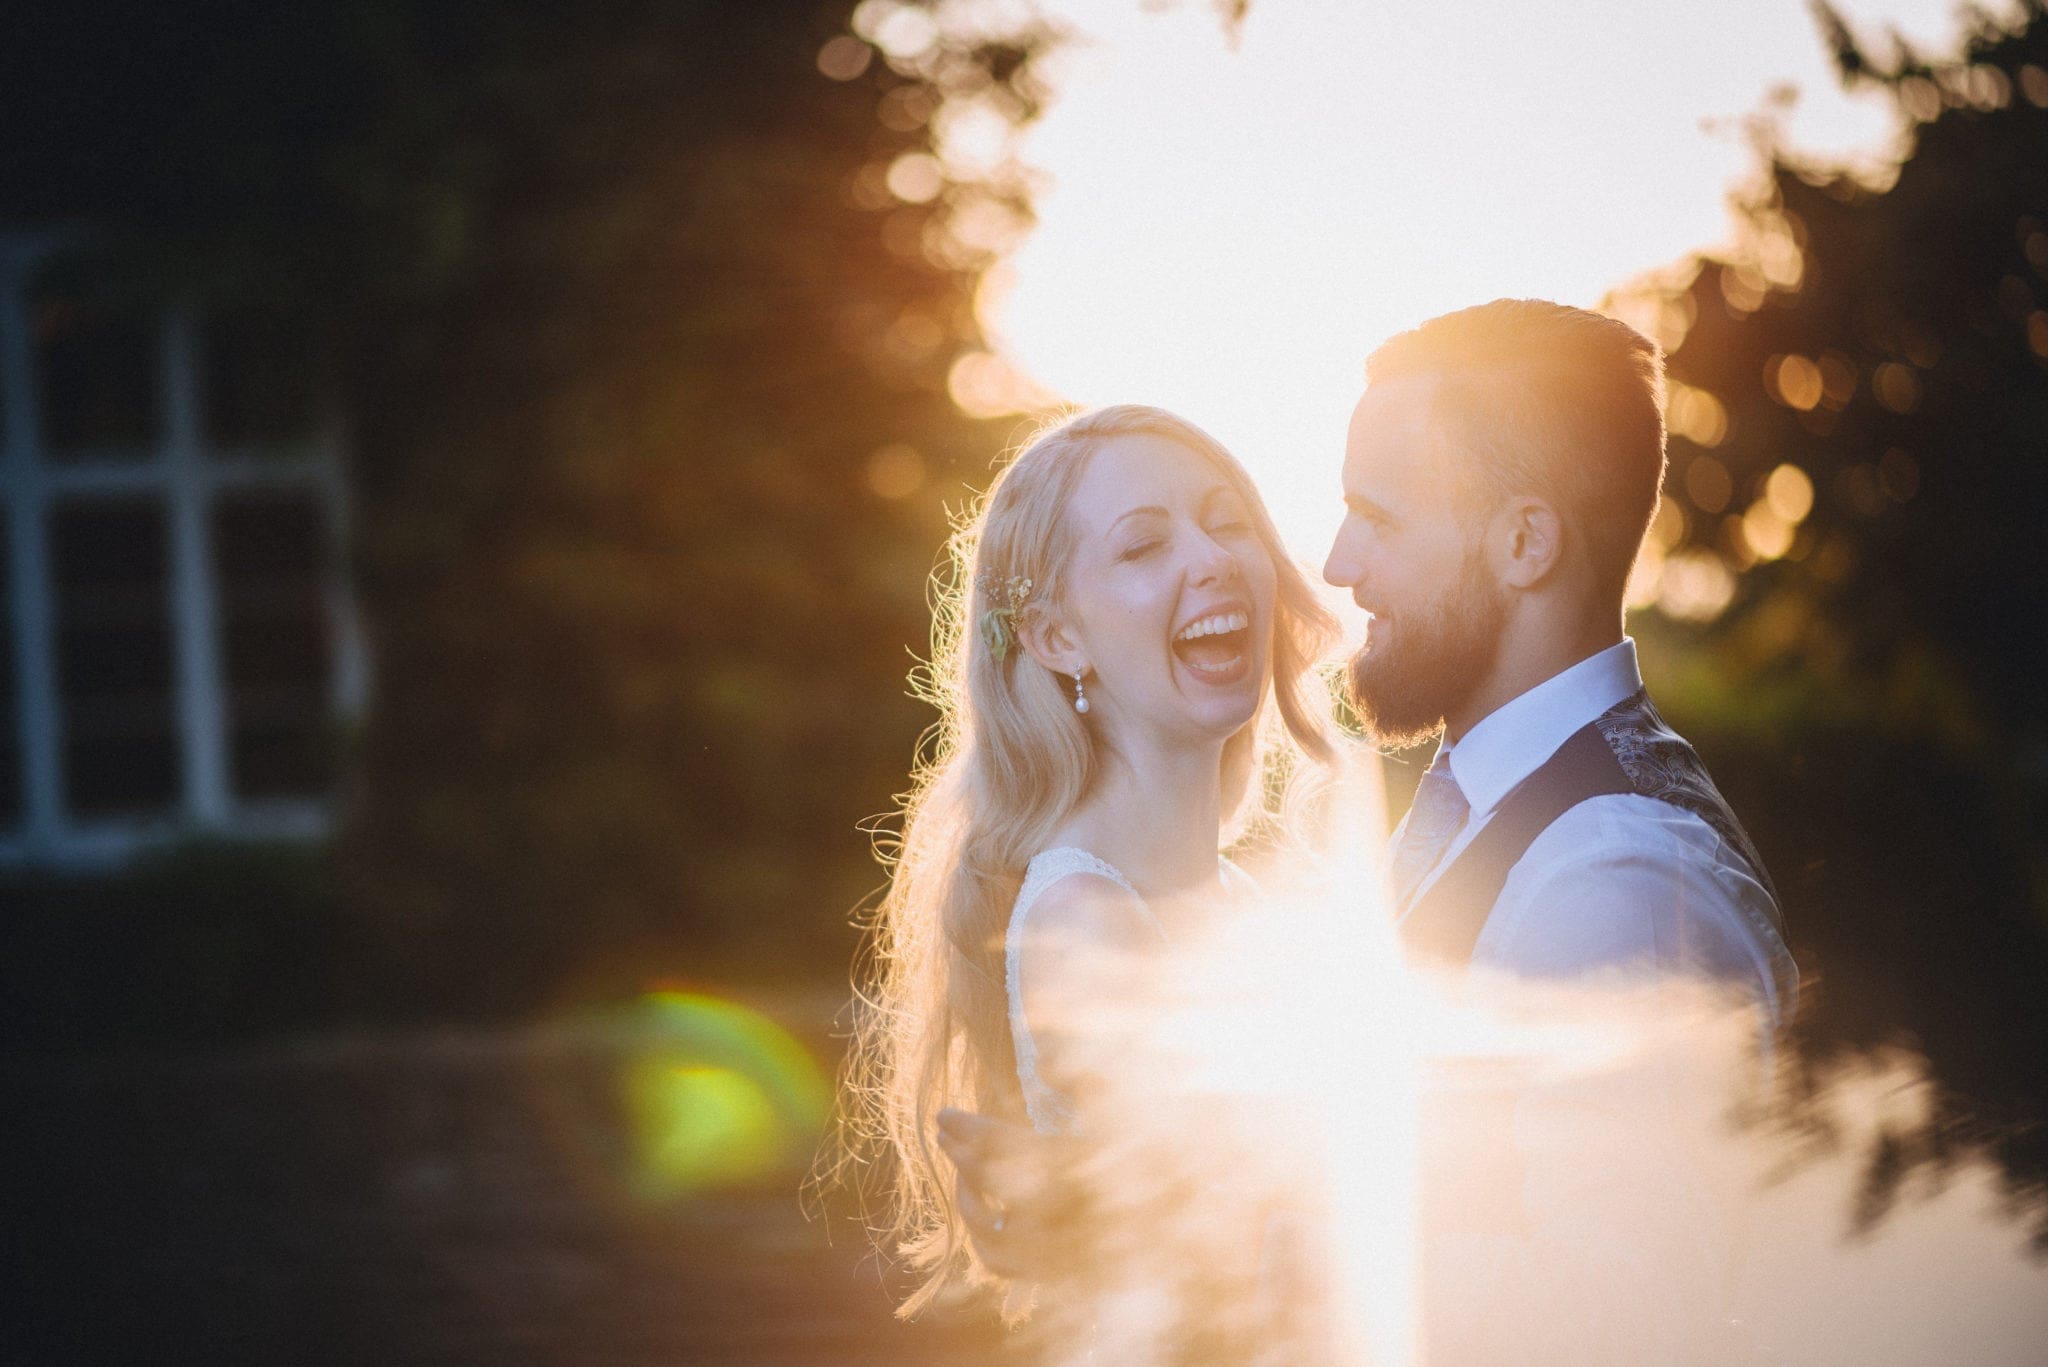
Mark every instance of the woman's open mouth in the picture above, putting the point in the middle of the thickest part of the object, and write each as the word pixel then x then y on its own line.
pixel 1217 648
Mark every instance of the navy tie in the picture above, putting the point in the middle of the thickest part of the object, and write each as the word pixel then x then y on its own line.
pixel 1438 814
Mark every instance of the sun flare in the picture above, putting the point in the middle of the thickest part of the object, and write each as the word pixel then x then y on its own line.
pixel 1226 228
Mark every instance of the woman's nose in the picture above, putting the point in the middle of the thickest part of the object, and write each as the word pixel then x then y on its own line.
pixel 1215 562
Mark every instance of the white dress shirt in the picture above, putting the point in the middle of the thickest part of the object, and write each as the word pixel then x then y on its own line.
pixel 1619 880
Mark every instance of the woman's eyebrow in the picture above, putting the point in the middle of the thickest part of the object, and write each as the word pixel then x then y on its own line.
pixel 1150 509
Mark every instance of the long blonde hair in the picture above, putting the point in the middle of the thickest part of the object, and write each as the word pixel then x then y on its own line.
pixel 1005 765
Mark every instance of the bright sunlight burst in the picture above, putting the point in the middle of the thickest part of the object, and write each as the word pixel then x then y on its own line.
pixel 1228 228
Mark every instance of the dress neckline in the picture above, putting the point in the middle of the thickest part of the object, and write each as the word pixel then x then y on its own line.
pixel 1078 859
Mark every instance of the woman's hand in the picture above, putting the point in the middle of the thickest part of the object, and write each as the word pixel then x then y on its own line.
pixel 1005 1184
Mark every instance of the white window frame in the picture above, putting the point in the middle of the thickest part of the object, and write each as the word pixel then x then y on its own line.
pixel 185 475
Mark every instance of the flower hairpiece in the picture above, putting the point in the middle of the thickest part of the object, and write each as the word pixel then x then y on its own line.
pixel 1009 594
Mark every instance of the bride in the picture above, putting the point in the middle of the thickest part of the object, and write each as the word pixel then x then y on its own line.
pixel 1120 615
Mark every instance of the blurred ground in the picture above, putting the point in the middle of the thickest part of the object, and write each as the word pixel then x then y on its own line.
pixel 399 1198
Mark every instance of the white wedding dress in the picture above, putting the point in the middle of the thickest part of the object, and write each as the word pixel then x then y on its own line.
pixel 1050 1112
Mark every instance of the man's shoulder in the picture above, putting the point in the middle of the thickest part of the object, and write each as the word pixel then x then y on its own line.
pixel 1631 860
pixel 1626 878
pixel 1656 760
pixel 1643 826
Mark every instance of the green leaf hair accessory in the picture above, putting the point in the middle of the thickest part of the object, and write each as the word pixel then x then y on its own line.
pixel 998 624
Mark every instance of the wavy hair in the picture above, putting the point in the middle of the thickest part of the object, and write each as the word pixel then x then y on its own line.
pixel 1005 765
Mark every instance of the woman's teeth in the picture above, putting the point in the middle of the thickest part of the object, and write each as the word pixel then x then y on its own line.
pixel 1215 645
pixel 1213 626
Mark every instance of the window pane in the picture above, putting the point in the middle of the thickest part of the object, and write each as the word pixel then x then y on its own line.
pixel 10 696
pixel 271 553
pixel 259 375
pixel 96 369
pixel 110 563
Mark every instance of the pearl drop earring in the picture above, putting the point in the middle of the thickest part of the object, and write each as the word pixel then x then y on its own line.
pixel 1080 698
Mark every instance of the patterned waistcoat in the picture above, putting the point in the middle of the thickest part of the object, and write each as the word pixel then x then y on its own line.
pixel 1627 749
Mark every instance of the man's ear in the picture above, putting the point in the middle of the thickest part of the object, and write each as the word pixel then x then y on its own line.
pixel 1526 542
pixel 1049 643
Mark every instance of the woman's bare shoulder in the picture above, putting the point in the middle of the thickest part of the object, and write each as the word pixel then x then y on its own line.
pixel 1089 908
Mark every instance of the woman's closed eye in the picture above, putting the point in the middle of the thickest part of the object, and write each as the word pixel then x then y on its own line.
pixel 1138 550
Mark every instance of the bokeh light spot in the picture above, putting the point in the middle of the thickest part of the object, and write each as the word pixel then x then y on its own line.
pixel 1664 318
pixel 984 385
pixel 1794 381
pixel 1667 524
pixel 1987 87
pixel 895 471
pixel 1789 492
pixel 1707 484
pixel 1837 378
pixel 1644 576
pixel 916 178
pixel 1920 97
pixel 906 108
pixel 973 137
pixel 1696 586
pixel 2034 85
pixel 1769 535
pixel 913 336
pixel 1896 386
pixel 902 31
pixel 844 58
pixel 1779 254
pixel 1743 289
pixel 1696 415
pixel 1859 489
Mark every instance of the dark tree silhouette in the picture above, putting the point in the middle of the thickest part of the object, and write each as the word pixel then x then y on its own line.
pixel 1900 362
pixel 655 476
pixel 1874 692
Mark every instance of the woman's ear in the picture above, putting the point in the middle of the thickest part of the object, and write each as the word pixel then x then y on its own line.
pixel 1048 641
pixel 1527 542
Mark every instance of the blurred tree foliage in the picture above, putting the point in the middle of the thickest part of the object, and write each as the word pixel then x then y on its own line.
pixel 1885 335
pixel 652 478
pixel 1860 458
pixel 644 361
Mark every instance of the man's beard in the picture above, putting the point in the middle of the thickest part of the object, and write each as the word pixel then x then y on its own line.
pixel 1402 690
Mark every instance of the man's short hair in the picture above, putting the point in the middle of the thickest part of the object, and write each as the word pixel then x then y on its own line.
pixel 1545 399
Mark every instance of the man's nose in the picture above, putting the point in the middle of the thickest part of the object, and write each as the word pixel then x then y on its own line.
pixel 1341 567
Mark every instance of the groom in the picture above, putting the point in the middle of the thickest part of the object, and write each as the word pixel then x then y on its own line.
pixel 1500 473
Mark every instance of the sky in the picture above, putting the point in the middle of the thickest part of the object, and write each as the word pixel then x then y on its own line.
pixel 1228 230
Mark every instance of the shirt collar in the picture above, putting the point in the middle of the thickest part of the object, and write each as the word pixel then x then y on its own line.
pixel 1510 742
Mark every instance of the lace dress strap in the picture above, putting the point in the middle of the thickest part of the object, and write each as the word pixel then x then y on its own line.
pixel 1054 864
pixel 1050 1113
